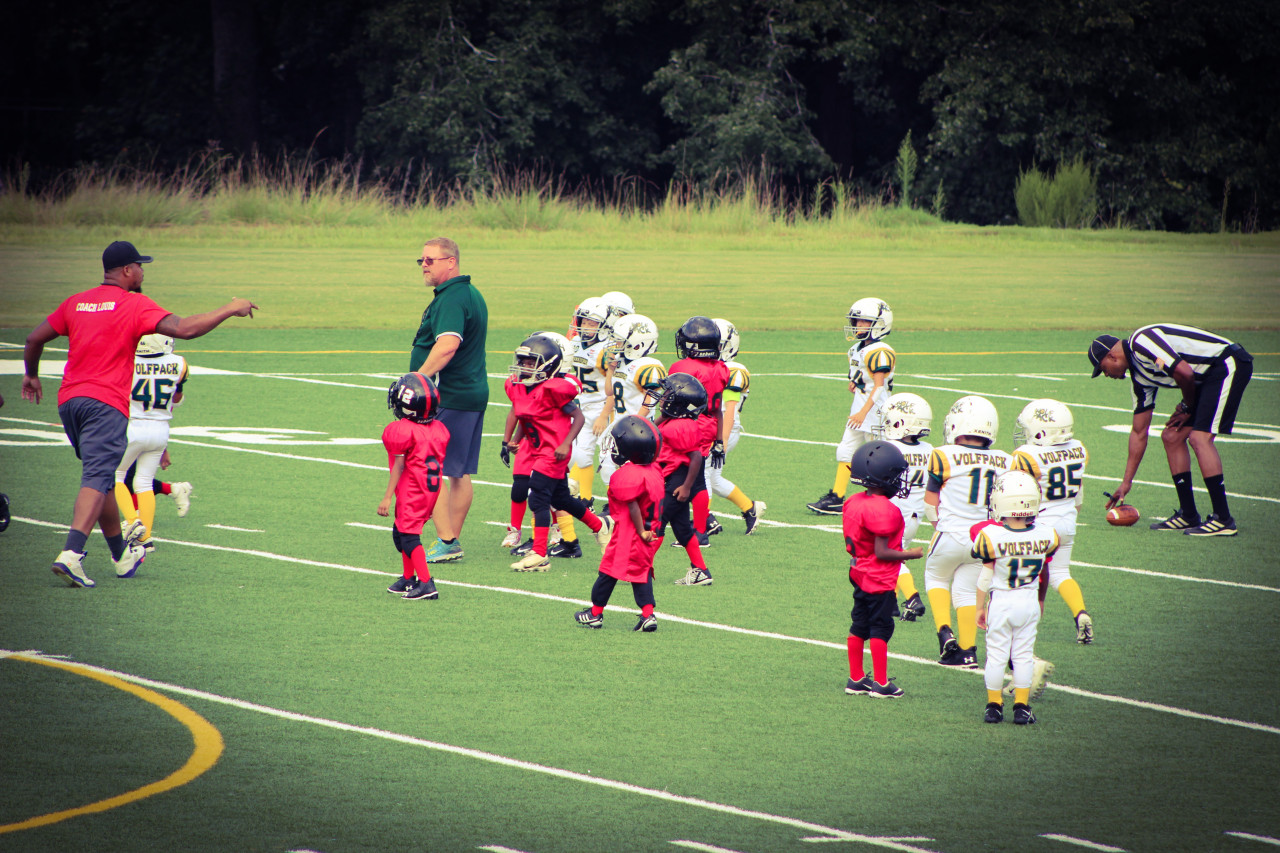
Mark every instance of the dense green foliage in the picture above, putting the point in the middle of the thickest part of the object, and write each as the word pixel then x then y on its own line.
pixel 1172 104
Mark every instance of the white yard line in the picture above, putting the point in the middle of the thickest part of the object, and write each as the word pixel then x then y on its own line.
pixel 1080 842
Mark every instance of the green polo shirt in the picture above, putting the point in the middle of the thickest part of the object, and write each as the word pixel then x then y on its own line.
pixel 458 308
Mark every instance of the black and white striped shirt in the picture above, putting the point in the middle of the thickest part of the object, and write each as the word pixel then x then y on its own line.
pixel 1154 351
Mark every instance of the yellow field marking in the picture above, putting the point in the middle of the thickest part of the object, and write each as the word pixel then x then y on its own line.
pixel 208 747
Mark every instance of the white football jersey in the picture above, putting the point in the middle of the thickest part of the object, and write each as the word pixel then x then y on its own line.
pixel 632 379
pixel 1059 469
pixel 739 381
pixel 591 364
pixel 917 456
pixel 1020 556
pixel 157 379
pixel 963 477
pixel 864 360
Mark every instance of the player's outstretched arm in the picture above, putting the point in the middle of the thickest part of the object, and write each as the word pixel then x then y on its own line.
pixel 186 328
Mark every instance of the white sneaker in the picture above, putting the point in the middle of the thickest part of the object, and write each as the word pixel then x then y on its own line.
pixel 532 562
pixel 181 494
pixel 133 532
pixel 512 539
pixel 695 577
pixel 605 531
pixel 1040 677
pixel 70 566
pixel 130 560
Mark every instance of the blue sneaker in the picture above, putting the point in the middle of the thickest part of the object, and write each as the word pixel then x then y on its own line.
pixel 442 553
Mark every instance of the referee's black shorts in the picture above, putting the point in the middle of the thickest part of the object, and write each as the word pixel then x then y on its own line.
pixel 1219 390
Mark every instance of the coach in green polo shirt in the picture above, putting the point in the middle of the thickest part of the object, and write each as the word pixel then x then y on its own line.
pixel 449 347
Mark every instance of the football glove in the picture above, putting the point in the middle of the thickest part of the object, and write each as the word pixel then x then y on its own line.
pixel 717 454
pixel 505 453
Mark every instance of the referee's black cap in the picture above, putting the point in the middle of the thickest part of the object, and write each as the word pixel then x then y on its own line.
pixel 1098 350
pixel 121 253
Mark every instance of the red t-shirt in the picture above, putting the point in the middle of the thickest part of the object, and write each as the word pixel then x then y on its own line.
pixel 867 516
pixel 680 437
pixel 712 373
pixel 104 325
pixel 423 447
pixel 627 557
pixel 540 410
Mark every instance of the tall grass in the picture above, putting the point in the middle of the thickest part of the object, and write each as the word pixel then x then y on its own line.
pixel 1068 199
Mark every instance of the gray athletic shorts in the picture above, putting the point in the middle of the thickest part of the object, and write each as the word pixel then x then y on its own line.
pixel 463 455
pixel 99 433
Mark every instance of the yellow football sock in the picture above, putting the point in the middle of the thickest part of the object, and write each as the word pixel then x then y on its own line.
pixel 585 477
pixel 906 585
pixel 147 511
pixel 1022 695
pixel 967 626
pixel 741 501
pixel 1071 594
pixel 567 533
pixel 995 696
pixel 843 473
pixel 940 603
pixel 125 500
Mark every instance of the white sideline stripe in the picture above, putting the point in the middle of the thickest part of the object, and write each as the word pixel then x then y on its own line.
pixel 235 529
pixel 733 629
pixel 1248 836
pixel 1080 842
pixel 494 758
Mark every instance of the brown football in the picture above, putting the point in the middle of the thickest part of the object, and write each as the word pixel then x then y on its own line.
pixel 1123 515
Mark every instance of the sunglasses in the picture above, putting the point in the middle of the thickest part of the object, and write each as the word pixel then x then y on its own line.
pixel 430 261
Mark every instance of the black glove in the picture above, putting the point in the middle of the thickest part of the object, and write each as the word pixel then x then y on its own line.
pixel 505 453
pixel 717 454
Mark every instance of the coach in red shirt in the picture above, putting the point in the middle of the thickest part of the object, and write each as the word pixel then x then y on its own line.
pixel 103 325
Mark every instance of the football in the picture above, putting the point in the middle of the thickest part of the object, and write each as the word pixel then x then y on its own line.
pixel 1123 515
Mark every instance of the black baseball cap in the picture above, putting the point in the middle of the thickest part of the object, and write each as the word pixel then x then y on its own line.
pixel 1098 350
pixel 121 253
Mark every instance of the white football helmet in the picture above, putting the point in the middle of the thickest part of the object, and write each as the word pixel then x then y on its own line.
pixel 972 415
pixel 633 336
pixel 907 416
pixel 1043 422
pixel 591 308
pixel 154 345
pixel 566 349
pixel 1015 494
pixel 619 303
pixel 729 340
pixel 875 310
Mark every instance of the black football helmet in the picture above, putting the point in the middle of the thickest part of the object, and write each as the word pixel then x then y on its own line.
pixel 634 440
pixel 880 465
pixel 415 397
pixel 699 337
pixel 537 360
pixel 682 396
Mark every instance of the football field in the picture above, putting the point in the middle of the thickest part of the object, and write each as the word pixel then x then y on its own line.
pixel 255 688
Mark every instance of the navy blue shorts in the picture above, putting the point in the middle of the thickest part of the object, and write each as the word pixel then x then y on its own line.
pixel 100 434
pixel 463 454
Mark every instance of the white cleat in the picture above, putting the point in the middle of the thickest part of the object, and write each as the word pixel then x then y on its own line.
pixel 532 562
pixel 181 494
pixel 133 532
pixel 605 531
pixel 512 539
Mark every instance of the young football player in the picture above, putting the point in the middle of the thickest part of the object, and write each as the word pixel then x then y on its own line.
pixel 871 366
pixel 873 529
pixel 1014 552
pixel 180 492
pixel 698 347
pixel 735 397
pixel 637 375
pixel 544 405
pixel 620 305
pixel 686 439
pixel 590 361
pixel 907 420
pixel 961 474
pixel 635 499
pixel 415 443
pixel 158 379
pixel 1049 453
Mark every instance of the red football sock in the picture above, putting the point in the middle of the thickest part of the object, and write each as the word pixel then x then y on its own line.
pixel 596 611
pixel 408 566
pixel 517 514
pixel 419 560
pixel 592 521
pixel 540 535
pixel 134 498
pixel 701 509
pixel 880 660
pixel 694 550
pixel 646 611
pixel 856 670
pixel 161 488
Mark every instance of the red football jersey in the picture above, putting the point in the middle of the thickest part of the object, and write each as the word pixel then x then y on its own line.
pixel 682 436
pixel 103 325
pixel 712 373
pixel 627 557
pixel 423 447
pixel 540 410
pixel 867 516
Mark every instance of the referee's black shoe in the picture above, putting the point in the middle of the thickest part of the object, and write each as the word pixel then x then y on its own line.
pixel 1177 521
pixel 1213 526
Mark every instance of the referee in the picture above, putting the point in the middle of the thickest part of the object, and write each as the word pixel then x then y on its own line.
pixel 1212 373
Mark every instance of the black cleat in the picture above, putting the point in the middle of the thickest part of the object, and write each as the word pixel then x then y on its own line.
pixel 828 504
pixel 1022 715
pixel 995 713
pixel 523 548
pixel 912 608
pixel 1213 526
pixel 401 586
pixel 565 549
pixel 713 526
pixel 648 624
pixel 970 657
pixel 422 590
pixel 584 617
pixel 861 686
pixel 885 691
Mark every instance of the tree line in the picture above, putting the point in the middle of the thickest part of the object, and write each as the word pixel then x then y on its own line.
pixel 1175 104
